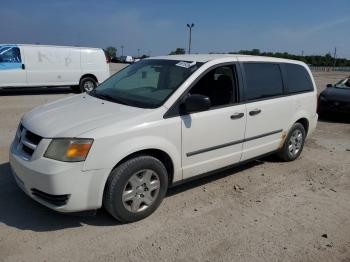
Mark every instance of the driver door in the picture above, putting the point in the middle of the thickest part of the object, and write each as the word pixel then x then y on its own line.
pixel 12 72
pixel 213 139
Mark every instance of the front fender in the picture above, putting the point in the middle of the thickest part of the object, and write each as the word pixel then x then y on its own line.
pixel 108 151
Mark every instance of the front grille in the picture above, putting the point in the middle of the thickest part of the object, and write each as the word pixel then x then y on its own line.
pixel 33 138
pixel 27 150
pixel 26 142
pixel 56 200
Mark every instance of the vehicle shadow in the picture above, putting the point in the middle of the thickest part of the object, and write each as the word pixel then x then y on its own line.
pixel 35 91
pixel 339 118
pixel 211 177
pixel 19 211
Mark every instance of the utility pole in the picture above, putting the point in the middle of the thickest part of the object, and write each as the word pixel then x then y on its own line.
pixel 302 52
pixel 122 47
pixel 190 40
pixel 138 52
pixel 335 58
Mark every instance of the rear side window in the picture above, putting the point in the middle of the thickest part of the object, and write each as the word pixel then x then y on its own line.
pixel 263 80
pixel 297 79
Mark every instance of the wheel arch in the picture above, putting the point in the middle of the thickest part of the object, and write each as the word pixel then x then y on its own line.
pixel 88 75
pixel 156 153
pixel 305 123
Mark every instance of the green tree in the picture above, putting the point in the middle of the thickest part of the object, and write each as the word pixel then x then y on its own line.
pixel 314 60
pixel 112 51
pixel 178 51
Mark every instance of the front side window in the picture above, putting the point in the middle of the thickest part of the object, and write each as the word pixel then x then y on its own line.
pixel 10 55
pixel 10 58
pixel 263 80
pixel 219 84
pixel 147 83
pixel 297 78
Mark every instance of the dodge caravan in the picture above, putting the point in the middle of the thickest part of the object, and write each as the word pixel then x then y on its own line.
pixel 158 123
pixel 81 68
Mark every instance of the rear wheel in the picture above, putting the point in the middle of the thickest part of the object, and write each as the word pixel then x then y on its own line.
pixel 294 143
pixel 87 84
pixel 135 189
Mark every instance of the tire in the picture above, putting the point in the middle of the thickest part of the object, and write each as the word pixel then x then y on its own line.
pixel 126 197
pixel 87 84
pixel 294 143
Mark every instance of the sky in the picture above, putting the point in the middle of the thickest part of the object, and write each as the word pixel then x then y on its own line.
pixel 158 27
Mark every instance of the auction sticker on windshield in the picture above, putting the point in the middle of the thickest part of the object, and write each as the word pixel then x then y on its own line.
pixel 186 64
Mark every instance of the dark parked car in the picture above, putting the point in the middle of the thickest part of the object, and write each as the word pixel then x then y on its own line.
pixel 335 98
pixel 115 60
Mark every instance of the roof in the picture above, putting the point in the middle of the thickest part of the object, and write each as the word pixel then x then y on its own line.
pixel 57 46
pixel 202 58
pixel 195 57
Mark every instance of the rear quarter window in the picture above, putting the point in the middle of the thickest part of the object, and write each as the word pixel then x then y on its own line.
pixel 263 80
pixel 297 79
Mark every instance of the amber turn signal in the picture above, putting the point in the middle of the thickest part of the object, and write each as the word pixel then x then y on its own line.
pixel 78 150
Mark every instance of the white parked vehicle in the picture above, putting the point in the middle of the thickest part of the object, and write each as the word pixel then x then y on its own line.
pixel 40 65
pixel 158 123
pixel 127 59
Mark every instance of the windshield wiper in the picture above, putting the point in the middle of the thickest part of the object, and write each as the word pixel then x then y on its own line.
pixel 108 98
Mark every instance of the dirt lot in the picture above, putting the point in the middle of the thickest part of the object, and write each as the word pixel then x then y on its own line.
pixel 264 211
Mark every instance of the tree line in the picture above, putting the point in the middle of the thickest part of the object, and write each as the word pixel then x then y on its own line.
pixel 313 60
pixel 112 52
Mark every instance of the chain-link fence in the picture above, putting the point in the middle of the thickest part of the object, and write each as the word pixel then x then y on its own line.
pixel 330 68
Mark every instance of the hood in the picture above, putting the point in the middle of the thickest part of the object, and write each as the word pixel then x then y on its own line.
pixel 337 94
pixel 72 116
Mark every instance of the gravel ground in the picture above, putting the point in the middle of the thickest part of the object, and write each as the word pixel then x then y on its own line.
pixel 264 211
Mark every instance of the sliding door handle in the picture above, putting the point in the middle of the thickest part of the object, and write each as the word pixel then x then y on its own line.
pixel 237 115
pixel 254 112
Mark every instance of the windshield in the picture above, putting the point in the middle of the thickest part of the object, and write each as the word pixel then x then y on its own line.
pixel 147 83
pixel 344 83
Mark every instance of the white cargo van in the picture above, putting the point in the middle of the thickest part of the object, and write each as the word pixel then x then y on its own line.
pixel 160 122
pixel 40 65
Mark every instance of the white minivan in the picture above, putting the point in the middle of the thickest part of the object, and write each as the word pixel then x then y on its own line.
pixel 40 65
pixel 158 123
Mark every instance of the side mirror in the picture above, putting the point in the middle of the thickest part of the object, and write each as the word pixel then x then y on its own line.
pixel 196 103
pixel 329 85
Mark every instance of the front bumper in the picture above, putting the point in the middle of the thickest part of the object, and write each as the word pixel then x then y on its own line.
pixel 61 186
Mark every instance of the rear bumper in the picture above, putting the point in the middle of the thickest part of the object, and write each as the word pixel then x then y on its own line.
pixel 61 186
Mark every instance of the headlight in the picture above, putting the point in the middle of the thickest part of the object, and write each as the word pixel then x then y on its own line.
pixel 69 149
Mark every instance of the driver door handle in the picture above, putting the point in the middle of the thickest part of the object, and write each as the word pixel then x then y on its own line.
pixel 254 112
pixel 237 116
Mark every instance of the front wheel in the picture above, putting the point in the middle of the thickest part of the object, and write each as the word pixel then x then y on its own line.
pixel 294 143
pixel 135 189
pixel 87 84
